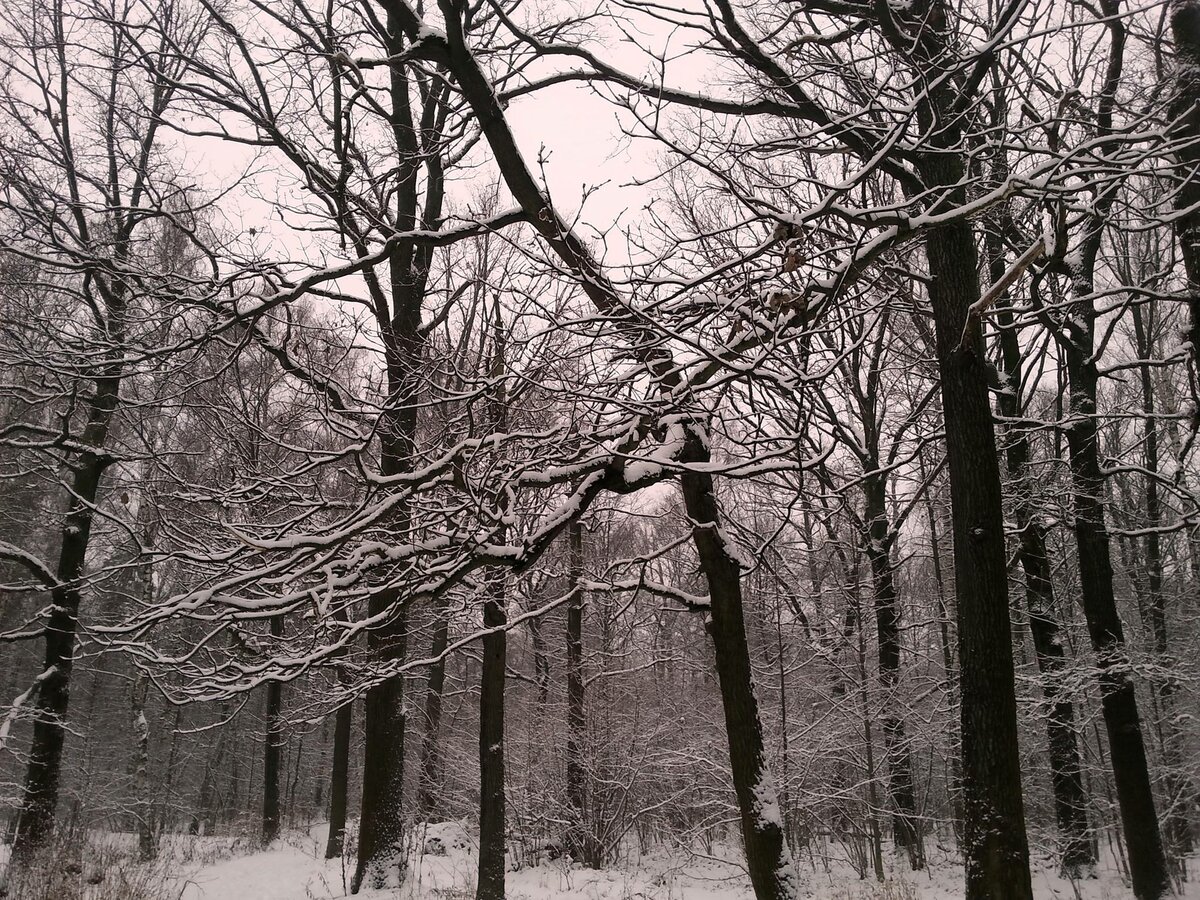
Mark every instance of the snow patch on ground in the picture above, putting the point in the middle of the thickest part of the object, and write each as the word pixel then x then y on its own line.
pixel 295 870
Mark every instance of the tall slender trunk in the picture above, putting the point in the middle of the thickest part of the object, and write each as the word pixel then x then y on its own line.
pixel 143 807
pixel 1076 337
pixel 1185 113
pixel 767 855
pixel 875 836
pixel 1127 750
pixel 339 777
pixel 428 789
pixel 490 885
pixel 273 750
pixel 579 841
pixel 1066 773
pixel 995 847
pixel 954 787
pixel 896 746
pixel 1179 790
pixel 381 824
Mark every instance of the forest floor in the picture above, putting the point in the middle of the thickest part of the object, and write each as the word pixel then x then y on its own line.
pixel 293 869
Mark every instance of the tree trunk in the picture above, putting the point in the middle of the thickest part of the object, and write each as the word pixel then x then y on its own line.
pixel 381 825
pixel 897 749
pixel 428 791
pixel 490 885
pixel 1185 113
pixel 141 774
pixel 1127 751
pixel 339 778
pixel 35 821
pixel 995 849
pixel 767 855
pixel 579 842
pixel 1179 791
pixel 1066 774
pixel 273 751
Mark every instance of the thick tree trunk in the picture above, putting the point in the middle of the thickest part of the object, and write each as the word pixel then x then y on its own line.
pixel 995 848
pixel 428 788
pixel 896 747
pixel 273 751
pixel 767 855
pixel 381 825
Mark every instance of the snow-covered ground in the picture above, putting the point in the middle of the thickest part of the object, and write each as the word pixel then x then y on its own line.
pixel 294 870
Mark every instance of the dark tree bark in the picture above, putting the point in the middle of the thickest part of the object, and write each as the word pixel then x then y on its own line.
pixel 490 885
pixel 1179 791
pixel 579 843
pixel 1076 337
pixel 273 750
pixel 1185 131
pixel 897 749
pixel 767 855
pixel 995 847
pixel 381 824
pixel 1127 751
pixel 428 789
pixel 35 821
pixel 339 777
pixel 1066 775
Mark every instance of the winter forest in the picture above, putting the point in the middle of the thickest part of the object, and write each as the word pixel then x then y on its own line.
pixel 599 449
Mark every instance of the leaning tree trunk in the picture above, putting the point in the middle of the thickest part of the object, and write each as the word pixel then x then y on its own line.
pixel 896 746
pixel 767 855
pixel 995 848
pixel 273 751
pixel 35 821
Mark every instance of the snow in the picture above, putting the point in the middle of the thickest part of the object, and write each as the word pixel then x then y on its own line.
pixel 295 870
